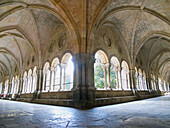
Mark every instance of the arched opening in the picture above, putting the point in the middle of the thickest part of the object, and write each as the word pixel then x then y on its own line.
pixel 6 88
pixel 0 87
pixel 136 78
pixel 46 77
pixel 115 73
pixel 67 69
pixel 24 89
pixel 125 76
pixel 101 67
pixel 140 80
pixel 16 85
pixel 153 82
pixel 13 85
pixel 144 80
pixel 164 83
pixel 34 79
pixel 160 84
pixel 55 75
pixel 29 87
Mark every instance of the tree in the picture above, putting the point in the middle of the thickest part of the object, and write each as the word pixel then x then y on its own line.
pixel 113 78
pixel 99 76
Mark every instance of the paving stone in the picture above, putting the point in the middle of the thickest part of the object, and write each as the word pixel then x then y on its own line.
pixel 149 113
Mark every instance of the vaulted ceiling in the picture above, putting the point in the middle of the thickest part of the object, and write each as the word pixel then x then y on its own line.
pixel 26 27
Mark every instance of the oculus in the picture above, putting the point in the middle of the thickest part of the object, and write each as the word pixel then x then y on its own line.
pixel 107 41
pixel 62 41
pixel 52 46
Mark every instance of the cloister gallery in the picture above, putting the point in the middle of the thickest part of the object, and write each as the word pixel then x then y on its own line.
pixel 84 53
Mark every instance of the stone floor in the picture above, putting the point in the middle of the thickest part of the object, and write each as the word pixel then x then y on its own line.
pixel 150 113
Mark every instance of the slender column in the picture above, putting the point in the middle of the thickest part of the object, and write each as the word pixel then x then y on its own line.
pixel 157 83
pixel 3 87
pixel 31 79
pixel 128 80
pixel 138 82
pixel 108 70
pixel 148 81
pixel 120 79
pixel 9 86
pixel 117 77
pixel 60 77
pixel 20 84
pixel 64 79
pixel 132 74
pixel 45 81
pixel 143 83
pixel 63 76
pixel 54 78
pixel 168 86
pixel 39 84
pixel 51 72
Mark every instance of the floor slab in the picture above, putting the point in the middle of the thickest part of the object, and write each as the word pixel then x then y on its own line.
pixel 149 113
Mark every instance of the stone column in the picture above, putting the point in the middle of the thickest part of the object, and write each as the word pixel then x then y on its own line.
pixel 120 78
pixel 60 77
pixel 63 76
pixel 39 83
pixel 64 79
pixel 168 87
pixel 148 82
pixel 157 83
pixel 51 73
pixel 108 70
pixel 54 78
pixel 3 87
pixel 132 74
pixel 9 88
pixel 31 83
pixel 83 83
pixel 117 77
pixel 45 80
pixel 128 80
pixel 132 79
pixel 138 82
pixel 20 85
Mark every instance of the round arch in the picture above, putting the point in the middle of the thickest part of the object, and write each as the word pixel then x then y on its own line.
pixel 125 75
pixel 101 57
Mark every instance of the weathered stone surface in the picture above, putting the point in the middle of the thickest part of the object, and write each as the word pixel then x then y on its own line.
pixel 137 114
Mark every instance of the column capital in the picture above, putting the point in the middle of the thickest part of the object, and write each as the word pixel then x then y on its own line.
pixel 39 71
pixel 84 58
pixel 62 65
pixel 132 71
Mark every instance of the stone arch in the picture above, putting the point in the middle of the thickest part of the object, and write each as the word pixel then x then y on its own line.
pixel 55 62
pixel 115 73
pixel 46 77
pixel 55 75
pixel 65 58
pixel 101 56
pixel 101 68
pixel 34 79
pixel 29 87
pixel 25 80
pixel 67 68
pixel 125 75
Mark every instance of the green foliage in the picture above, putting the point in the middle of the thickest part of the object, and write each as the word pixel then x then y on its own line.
pixel 113 78
pixel 99 77
pixel 136 80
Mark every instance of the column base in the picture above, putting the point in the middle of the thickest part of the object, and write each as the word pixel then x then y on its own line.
pixel 84 97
